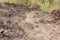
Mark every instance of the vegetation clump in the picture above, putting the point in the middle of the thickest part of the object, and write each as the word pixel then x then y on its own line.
pixel 46 5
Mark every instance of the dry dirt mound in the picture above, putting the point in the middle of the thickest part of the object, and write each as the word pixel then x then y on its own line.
pixel 18 22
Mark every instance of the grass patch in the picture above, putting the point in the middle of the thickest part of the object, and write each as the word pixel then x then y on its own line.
pixel 46 5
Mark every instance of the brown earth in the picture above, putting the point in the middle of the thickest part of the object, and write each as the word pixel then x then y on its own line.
pixel 19 22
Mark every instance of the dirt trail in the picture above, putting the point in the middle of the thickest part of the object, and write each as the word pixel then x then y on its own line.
pixel 34 25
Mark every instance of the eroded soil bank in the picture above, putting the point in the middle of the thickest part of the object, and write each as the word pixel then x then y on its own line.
pixel 19 22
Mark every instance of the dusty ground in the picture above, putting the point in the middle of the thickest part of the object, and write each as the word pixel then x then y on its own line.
pixel 33 25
